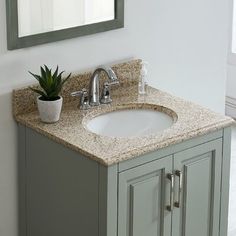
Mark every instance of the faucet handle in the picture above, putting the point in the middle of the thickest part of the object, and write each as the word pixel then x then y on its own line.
pixel 106 94
pixel 114 82
pixel 81 93
pixel 84 98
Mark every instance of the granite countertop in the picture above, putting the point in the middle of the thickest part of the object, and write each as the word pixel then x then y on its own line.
pixel 191 120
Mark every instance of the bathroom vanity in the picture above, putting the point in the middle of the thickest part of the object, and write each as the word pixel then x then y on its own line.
pixel 73 181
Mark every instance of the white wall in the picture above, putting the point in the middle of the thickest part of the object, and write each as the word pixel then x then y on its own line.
pixel 184 42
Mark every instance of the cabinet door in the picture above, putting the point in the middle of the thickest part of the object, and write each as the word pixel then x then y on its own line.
pixel 144 193
pixel 197 201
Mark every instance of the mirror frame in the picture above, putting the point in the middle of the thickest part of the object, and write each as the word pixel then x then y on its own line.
pixel 16 42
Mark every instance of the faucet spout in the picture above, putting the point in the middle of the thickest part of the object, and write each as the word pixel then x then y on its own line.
pixel 94 83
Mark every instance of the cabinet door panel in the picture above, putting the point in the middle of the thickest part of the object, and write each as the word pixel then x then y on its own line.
pixel 145 214
pixel 200 199
pixel 143 195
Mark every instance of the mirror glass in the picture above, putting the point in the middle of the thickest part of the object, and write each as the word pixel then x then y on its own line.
pixel 35 22
pixel 41 16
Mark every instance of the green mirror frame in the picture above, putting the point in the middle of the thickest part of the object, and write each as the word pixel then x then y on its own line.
pixel 15 42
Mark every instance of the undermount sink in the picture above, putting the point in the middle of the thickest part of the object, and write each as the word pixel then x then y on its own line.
pixel 131 122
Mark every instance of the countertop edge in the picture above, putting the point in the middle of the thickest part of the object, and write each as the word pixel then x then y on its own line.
pixel 135 152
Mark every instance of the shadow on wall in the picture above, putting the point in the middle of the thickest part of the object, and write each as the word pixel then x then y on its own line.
pixel 8 167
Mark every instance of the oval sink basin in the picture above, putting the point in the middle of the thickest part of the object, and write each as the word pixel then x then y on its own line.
pixel 130 123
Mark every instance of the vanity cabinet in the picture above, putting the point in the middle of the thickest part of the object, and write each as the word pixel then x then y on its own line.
pixel 198 184
pixel 180 190
pixel 143 200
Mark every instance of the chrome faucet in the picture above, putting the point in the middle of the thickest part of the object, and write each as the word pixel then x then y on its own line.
pixel 94 94
pixel 93 97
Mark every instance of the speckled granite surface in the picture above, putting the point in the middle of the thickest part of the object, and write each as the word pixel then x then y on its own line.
pixel 191 121
pixel 24 100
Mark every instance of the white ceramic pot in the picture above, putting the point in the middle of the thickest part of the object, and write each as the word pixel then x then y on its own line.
pixel 49 111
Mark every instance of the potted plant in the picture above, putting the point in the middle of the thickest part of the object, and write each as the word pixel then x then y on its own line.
pixel 49 101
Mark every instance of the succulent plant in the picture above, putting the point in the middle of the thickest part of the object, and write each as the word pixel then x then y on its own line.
pixel 50 83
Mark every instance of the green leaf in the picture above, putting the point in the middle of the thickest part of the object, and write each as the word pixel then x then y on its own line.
pixel 39 92
pixel 55 75
pixel 48 76
pixel 66 79
pixel 51 83
pixel 37 77
pixel 59 76
pixel 58 81
pixel 43 73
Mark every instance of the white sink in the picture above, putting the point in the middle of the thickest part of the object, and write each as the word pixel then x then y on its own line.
pixel 130 123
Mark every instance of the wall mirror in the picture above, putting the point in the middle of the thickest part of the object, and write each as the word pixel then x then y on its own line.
pixel 33 22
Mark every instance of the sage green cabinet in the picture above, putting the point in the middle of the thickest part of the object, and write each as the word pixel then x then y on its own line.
pixel 146 193
pixel 142 200
pixel 197 206
pixel 180 190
